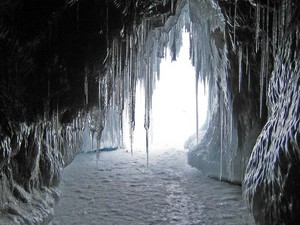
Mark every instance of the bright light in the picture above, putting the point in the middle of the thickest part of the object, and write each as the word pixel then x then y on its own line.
pixel 174 101
pixel 174 104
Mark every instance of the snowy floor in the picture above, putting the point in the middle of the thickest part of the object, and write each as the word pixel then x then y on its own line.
pixel 122 190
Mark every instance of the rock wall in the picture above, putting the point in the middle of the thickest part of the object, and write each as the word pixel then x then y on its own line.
pixel 271 184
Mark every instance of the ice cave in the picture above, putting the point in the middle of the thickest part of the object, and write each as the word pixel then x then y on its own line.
pixel 72 73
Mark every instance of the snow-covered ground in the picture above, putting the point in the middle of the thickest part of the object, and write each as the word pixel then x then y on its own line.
pixel 121 189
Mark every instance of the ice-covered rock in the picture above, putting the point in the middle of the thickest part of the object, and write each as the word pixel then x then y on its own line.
pixel 271 184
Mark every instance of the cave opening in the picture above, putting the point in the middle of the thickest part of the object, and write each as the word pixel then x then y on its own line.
pixel 174 114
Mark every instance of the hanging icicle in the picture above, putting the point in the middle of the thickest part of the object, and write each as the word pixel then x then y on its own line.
pixel 86 86
pixel 275 32
pixel 197 105
pixel 262 76
pixel 221 102
pixel 267 48
pixel 172 7
pixel 234 25
pixel 240 67
pixel 257 26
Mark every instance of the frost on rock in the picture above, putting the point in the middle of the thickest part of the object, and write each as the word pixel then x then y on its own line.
pixel 35 156
pixel 270 185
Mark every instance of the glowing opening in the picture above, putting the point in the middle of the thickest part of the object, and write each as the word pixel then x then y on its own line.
pixel 174 105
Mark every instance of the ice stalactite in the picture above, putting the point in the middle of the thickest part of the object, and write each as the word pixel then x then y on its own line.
pixel 131 87
pixel 172 6
pixel 240 59
pixel 248 72
pixel 86 87
pixel 147 108
pixel 262 44
pixel 267 48
pixel 197 105
pixel 262 77
pixel 234 24
pixel 221 102
pixel 257 26
pixel 275 32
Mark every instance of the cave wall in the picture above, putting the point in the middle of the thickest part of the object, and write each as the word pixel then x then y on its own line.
pixel 263 85
pixel 271 184
pixel 233 77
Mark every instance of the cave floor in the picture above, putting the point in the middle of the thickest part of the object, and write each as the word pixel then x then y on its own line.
pixel 121 189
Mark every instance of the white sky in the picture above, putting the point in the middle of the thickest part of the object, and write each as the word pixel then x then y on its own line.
pixel 173 109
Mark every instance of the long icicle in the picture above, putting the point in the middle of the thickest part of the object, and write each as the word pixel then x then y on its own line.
pixel 262 77
pixel 240 66
pixel 221 124
pixel 197 106
pixel 257 28
pixel 234 24
pixel 147 109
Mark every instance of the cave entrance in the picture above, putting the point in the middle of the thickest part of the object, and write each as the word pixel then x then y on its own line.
pixel 173 118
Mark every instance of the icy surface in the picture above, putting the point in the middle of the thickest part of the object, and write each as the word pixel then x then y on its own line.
pixel 271 184
pixel 120 189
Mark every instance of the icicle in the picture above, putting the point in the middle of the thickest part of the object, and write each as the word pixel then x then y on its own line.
pixel 262 76
pixel 275 33
pixel 234 24
pixel 148 97
pixel 267 48
pixel 247 60
pixel 86 90
pixel 285 15
pixel 240 67
pixel 249 79
pixel 222 126
pixel 147 145
pixel 197 106
pixel 231 121
pixel 106 95
pixel 57 124
pixel 248 73
pixel 257 27
pixel 172 7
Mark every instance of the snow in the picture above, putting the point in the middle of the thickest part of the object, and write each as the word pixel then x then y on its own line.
pixel 121 189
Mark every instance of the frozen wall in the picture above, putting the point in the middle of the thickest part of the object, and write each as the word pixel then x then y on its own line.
pixel 226 64
pixel 259 87
pixel 271 183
